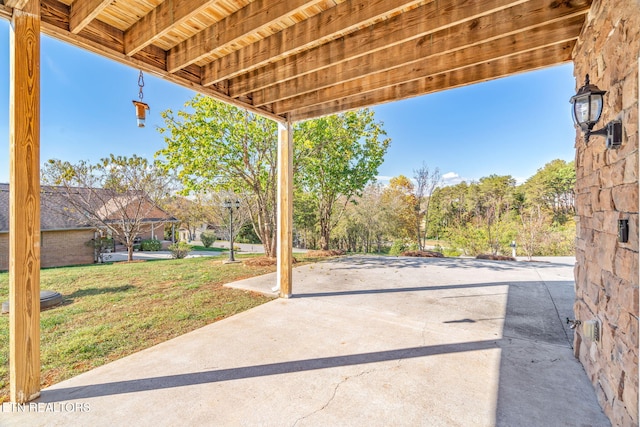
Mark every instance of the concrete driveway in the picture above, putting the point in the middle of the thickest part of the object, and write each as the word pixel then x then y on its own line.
pixel 365 341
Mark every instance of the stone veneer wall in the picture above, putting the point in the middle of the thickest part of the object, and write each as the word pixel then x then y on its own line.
pixel 607 190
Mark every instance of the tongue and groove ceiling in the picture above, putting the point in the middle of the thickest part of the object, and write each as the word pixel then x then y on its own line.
pixel 300 59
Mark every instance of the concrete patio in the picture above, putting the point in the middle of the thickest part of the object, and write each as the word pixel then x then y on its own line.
pixel 364 341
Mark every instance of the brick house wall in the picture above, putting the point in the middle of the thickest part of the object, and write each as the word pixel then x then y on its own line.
pixel 606 270
pixel 58 248
pixel 158 231
pixel 4 251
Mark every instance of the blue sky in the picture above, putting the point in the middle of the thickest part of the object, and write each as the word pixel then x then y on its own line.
pixel 510 126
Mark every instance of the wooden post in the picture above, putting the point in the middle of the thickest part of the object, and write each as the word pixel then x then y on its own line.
pixel 24 213
pixel 285 209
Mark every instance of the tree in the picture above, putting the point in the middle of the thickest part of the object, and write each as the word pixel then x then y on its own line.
pixel 426 183
pixel 192 212
pixel 399 207
pixel 362 225
pixel 217 147
pixel 534 226
pixel 115 194
pixel 336 157
pixel 492 198
pixel 553 187
pixel 220 214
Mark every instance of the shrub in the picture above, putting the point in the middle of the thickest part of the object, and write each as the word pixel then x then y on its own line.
pixel 451 252
pixel 207 238
pixel 150 245
pixel 397 248
pixel 101 245
pixel 179 250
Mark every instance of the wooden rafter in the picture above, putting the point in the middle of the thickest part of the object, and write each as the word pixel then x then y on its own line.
pixel 250 19
pixel 452 29
pixel 502 67
pixel 160 21
pixel 16 4
pixel 290 56
pixel 85 11
pixel 538 37
pixel 329 25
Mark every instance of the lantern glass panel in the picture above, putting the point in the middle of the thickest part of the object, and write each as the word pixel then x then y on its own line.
pixel 596 108
pixel 587 110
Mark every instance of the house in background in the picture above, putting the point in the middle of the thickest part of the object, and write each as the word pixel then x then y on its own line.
pixel 63 237
pixel 65 232
pixel 114 210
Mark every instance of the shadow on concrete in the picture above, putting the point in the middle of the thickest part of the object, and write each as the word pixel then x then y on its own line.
pixel 368 261
pixel 181 380
pixel 540 381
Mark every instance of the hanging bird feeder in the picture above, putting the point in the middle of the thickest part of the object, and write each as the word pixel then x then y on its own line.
pixel 141 107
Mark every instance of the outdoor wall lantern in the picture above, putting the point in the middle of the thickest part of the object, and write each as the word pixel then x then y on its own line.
pixel 141 107
pixel 587 109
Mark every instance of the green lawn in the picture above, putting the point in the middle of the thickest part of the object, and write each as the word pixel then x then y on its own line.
pixel 210 249
pixel 112 310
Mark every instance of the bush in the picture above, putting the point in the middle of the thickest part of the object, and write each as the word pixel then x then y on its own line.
pixel 247 234
pixel 451 252
pixel 179 250
pixel 397 248
pixel 207 238
pixel 150 245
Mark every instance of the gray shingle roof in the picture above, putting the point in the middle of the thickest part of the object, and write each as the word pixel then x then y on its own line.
pixel 55 214
pixel 52 216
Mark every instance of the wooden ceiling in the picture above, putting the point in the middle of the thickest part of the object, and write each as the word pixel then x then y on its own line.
pixel 307 58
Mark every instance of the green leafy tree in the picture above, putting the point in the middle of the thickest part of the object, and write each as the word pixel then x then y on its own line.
pixel 217 147
pixel 492 199
pixel 192 213
pixel 552 187
pixel 399 208
pixel 336 157
pixel 305 218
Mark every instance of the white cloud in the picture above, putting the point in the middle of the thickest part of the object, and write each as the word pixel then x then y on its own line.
pixel 520 181
pixel 451 178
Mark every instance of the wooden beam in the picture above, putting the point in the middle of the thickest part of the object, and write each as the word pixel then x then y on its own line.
pixel 536 38
pixel 254 17
pixel 5 12
pixel 160 21
pixel 323 27
pixel 15 4
pixel 455 43
pixel 106 41
pixel 388 43
pixel 497 68
pixel 85 11
pixel 24 204
pixel 285 209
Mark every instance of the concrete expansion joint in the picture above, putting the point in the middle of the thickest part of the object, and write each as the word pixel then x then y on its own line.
pixel 333 395
pixel 555 307
pixel 536 341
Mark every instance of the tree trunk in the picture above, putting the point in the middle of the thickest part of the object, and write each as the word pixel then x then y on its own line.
pixel 130 252
pixel 325 233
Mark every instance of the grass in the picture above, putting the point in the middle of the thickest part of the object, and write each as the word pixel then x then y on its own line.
pixel 113 310
pixel 210 249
